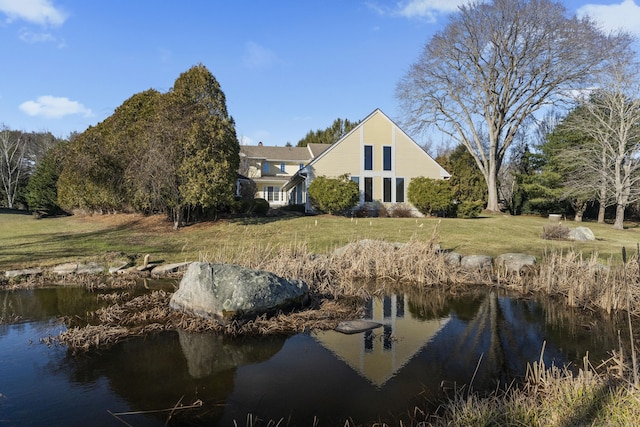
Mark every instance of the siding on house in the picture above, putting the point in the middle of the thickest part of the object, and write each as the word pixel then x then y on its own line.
pixel 381 137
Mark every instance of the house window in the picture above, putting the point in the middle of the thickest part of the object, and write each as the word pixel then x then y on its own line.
pixel 265 167
pixel 356 179
pixel 399 190
pixel 368 157
pixel 386 158
pixel 271 193
pixel 301 165
pixel 282 167
pixel 386 190
pixel 368 189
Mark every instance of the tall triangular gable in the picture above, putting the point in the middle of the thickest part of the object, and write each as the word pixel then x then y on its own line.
pixel 376 129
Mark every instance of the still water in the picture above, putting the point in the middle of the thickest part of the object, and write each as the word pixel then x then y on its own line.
pixel 429 345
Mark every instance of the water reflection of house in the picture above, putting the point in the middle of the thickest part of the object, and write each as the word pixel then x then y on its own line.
pixel 378 354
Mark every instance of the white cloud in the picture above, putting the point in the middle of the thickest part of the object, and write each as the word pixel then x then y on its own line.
pixel 624 15
pixel 257 56
pixel 54 107
pixel 424 9
pixel 41 12
pixel 31 37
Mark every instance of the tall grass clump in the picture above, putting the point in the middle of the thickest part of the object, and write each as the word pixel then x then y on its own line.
pixel 550 396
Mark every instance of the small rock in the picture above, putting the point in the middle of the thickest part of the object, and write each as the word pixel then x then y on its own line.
pixel 171 268
pixel 90 268
pixel 68 268
pixel 476 262
pixel 514 262
pixel 118 268
pixel 355 326
pixel 25 272
pixel 452 258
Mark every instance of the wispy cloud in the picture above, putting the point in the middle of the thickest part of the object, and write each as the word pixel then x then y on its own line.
pixel 422 9
pixel 40 37
pixel 41 12
pixel 621 16
pixel 256 56
pixel 54 107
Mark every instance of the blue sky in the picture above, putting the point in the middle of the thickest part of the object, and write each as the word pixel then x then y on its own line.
pixel 285 66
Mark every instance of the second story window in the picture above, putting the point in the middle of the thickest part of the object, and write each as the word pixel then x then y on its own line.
pixel 282 167
pixel 386 158
pixel 301 165
pixel 368 157
pixel 265 167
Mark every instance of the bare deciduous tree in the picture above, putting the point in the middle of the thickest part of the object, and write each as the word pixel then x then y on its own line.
pixel 12 162
pixel 610 116
pixel 493 66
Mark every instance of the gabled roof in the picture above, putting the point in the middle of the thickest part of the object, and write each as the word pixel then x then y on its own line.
pixel 443 172
pixel 317 149
pixel 286 154
pixel 298 154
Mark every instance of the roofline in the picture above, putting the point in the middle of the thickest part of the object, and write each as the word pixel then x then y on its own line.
pixel 446 173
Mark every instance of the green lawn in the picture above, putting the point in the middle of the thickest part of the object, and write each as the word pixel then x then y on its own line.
pixel 26 241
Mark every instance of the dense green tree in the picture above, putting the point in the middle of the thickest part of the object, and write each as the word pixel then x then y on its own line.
pixel 334 195
pixel 175 152
pixel 467 183
pixel 207 140
pixel 330 135
pixel 430 196
pixel 42 189
pixel 577 189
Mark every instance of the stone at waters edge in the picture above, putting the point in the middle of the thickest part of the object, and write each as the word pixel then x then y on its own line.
pixel 223 291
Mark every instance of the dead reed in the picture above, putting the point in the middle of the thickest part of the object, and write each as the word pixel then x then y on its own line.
pixel 550 396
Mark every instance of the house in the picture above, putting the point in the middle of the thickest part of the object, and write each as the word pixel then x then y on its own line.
pixel 270 168
pixel 377 155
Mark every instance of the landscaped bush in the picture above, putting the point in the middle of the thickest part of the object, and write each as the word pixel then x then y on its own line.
pixel 361 211
pixel 334 195
pixel 401 211
pixel 469 209
pixel 260 207
pixel 555 232
pixel 431 196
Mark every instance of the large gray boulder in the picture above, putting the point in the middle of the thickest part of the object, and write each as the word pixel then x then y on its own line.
pixel 581 234
pixel 223 291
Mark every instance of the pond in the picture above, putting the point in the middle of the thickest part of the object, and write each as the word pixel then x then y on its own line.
pixel 429 345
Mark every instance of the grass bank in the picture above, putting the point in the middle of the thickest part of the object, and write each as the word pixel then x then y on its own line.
pixel 28 242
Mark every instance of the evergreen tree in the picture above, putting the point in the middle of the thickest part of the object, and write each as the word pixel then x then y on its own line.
pixel 330 135
pixel 42 189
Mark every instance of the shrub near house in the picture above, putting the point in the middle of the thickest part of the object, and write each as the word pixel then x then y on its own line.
pixel 334 196
pixel 431 196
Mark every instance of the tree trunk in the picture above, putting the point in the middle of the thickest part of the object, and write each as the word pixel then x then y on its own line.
pixel 578 217
pixel 493 203
pixel 601 210
pixel 178 218
pixel 619 223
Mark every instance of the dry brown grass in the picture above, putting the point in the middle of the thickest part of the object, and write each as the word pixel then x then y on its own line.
pixel 340 281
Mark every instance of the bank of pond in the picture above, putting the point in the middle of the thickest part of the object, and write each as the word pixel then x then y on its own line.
pixel 433 347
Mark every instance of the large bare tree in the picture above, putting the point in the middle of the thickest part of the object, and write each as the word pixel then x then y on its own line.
pixel 493 66
pixel 610 116
pixel 12 162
